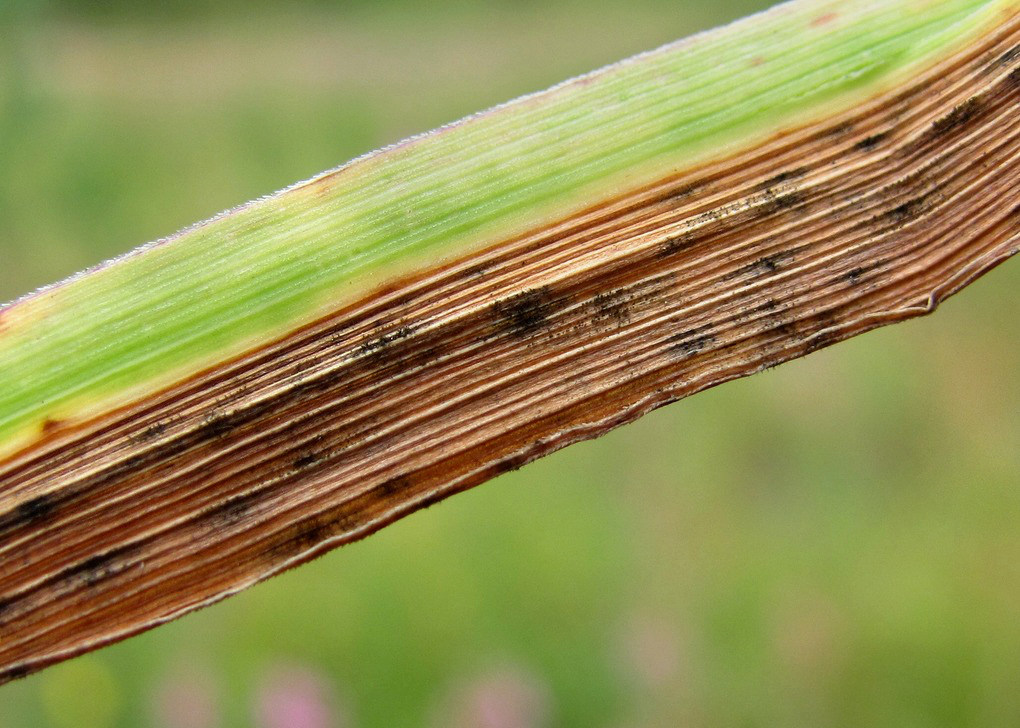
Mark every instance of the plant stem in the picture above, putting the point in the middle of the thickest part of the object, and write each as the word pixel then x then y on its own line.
pixel 299 372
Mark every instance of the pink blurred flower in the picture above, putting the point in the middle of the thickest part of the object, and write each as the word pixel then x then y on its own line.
pixel 297 697
pixel 508 697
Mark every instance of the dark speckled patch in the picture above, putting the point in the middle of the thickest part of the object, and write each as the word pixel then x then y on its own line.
pixel 525 313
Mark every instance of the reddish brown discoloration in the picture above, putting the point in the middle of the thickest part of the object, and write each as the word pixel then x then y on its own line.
pixel 323 185
pixel 51 426
pixel 824 19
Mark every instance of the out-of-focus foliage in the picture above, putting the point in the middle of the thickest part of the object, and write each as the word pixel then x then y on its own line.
pixel 833 543
pixel 115 10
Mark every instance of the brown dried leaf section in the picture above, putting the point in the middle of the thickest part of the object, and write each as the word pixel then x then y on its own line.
pixel 443 381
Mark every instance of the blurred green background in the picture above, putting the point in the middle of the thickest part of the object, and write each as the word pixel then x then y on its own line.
pixel 835 543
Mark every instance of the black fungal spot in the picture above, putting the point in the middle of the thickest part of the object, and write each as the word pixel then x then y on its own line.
pixel 713 215
pixel 1009 57
pixel 314 533
pixel 774 202
pixel 676 244
pixel 311 456
pixel 784 177
pixel 787 202
pixel 394 485
pixel 510 464
pixel 906 211
pixel 133 462
pixel 826 333
pixel 765 266
pixel 217 425
pixel 35 511
pixel 319 383
pixel 430 500
pixel 309 533
pixel 16 672
pixel 613 307
pixel 690 342
pixel 375 345
pixel 306 461
pixel 785 329
pixel 821 340
pixel 958 117
pixel 153 431
pixel 769 305
pixel 853 277
pixel 97 568
pixel 683 191
pixel 870 142
pixel 233 510
pixel 838 130
pixel 525 313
